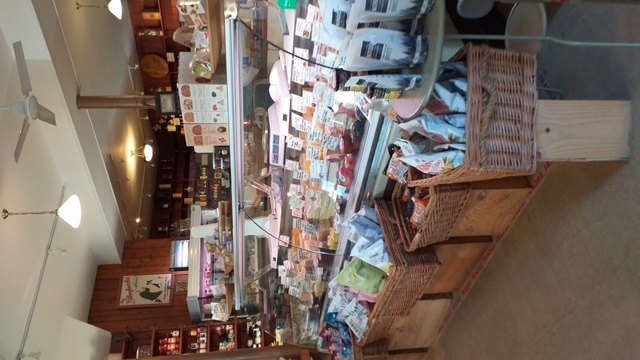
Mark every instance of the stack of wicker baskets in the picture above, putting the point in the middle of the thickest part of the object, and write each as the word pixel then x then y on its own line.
pixel 501 100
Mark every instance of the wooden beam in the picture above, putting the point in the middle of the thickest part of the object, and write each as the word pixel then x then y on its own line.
pixel 583 130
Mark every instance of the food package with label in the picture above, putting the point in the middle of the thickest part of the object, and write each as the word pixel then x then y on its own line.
pixel 436 163
pixel 436 129
pixel 380 49
pixel 364 11
pixel 397 170
pixel 360 275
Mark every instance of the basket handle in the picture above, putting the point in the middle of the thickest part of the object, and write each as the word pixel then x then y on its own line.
pixel 488 101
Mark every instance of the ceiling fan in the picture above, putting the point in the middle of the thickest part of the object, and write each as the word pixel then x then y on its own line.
pixel 29 106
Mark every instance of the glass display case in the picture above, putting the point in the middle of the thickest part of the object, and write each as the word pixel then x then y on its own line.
pixel 298 167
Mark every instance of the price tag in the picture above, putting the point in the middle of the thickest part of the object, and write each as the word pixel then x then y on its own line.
pixel 322 115
pixel 300 175
pixel 295 292
pixel 281 271
pixel 342 191
pixel 330 142
pixel 298 223
pixel 303 53
pixel 315 135
pixel 305 126
pixel 307 99
pixel 298 70
pixel 284 241
pixel 303 28
pixel 297 212
pixel 296 202
pixel 296 103
pixel 328 96
pixel 315 31
pixel 294 143
pixel 313 153
pixel 313 14
pixel 291 164
pixel 310 228
pixel 311 195
pixel 296 190
pixel 318 170
pixel 318 90
pixel 296 121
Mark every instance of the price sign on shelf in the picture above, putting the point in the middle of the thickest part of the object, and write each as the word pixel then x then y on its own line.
pixel 322 115
pixel 291 164
pixel 330 142
pixel 313 152
pixel 315 135
pixel 297 212
pixel 294 142
pixel 300 175
pixel 296 190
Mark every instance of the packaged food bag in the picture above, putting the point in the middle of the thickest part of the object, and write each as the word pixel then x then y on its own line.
pixel 382 10
pixel 379 49
pixel 411 25
pixel 361 276
pixel 436 129
pixel 437 163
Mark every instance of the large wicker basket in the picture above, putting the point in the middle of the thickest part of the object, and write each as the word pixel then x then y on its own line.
pixel 377 350
pixel 501 102
pixel 409 276
pixel 445 206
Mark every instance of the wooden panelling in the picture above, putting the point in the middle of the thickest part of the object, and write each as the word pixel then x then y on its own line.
pixel 420 328
pixel 490 207
pixel 456 263
pixel 139 257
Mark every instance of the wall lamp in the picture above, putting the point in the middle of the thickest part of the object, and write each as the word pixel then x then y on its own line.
pixel 70 211
pixel 114 7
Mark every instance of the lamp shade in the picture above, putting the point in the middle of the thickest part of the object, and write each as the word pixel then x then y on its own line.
pixel 115 7
pixel 71 211
pixel 148 152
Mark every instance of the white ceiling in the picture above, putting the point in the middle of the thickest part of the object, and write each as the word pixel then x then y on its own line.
pixel 69 52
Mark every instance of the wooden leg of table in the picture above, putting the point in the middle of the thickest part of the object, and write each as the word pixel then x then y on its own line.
pixel 583 130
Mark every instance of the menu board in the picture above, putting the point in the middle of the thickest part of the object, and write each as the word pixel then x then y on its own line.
pixel 205 114
pixel 206 134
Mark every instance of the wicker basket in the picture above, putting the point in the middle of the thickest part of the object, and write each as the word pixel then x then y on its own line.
pixel 409 276
pixel 501 102
pixel 377 350
pixel 445 206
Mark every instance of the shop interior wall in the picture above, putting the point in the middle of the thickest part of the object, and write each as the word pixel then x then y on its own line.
pixel 140 257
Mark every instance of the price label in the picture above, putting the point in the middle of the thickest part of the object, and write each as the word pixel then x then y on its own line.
pixel 294 143
pixel 284 241
pixel 296 121
pixel 297 212
pixel 296 203
pixel 318 170
pixel 305 126
pixel 328 97
pixel 314 14
pixel 291 164
pixel 307 99
pixel 296 190
pixel 303 28
pixel 310 228
pixel 322 115
pixel 296 103
pixel 303 53
pixel 295 292
pixel 313 152
pixel 330 142
pixel 311 195
pixel 315 135
pixel 318 90
pixel 298 223
pixel 300 175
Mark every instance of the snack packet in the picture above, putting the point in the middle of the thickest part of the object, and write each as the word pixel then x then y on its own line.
pixel 441 147
pixel 435 128
pixel 382 86
pixel 376 10
pixel 377 255
pixel 396 170
pixel 437 163
pixel 411 25
pixel 379 49
pixel 361 276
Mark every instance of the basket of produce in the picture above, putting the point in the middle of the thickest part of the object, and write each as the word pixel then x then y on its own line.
pixel 426 216
pixel 405 283
pixel 489 136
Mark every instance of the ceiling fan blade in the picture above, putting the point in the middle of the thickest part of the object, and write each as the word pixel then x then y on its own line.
pixel 25 83
pixel 23 136
pixel 46 115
